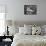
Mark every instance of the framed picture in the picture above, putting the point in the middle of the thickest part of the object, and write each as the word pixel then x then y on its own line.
pixel 30 9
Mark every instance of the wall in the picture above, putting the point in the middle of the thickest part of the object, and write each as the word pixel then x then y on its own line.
pixel 15 9
pixel 41 10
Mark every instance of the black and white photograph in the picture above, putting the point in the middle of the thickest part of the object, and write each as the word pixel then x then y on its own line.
pixel 22 22
pixel 30 9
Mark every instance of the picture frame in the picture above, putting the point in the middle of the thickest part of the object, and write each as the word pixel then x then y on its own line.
pixel 30 9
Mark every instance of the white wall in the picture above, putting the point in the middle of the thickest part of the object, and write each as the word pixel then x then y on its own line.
pixel 15 9
pixel 41 13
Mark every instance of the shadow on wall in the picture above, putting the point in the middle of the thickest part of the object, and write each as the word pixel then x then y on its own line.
pixel 21 23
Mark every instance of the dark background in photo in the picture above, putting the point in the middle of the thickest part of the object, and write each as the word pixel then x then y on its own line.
pixel 30 9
